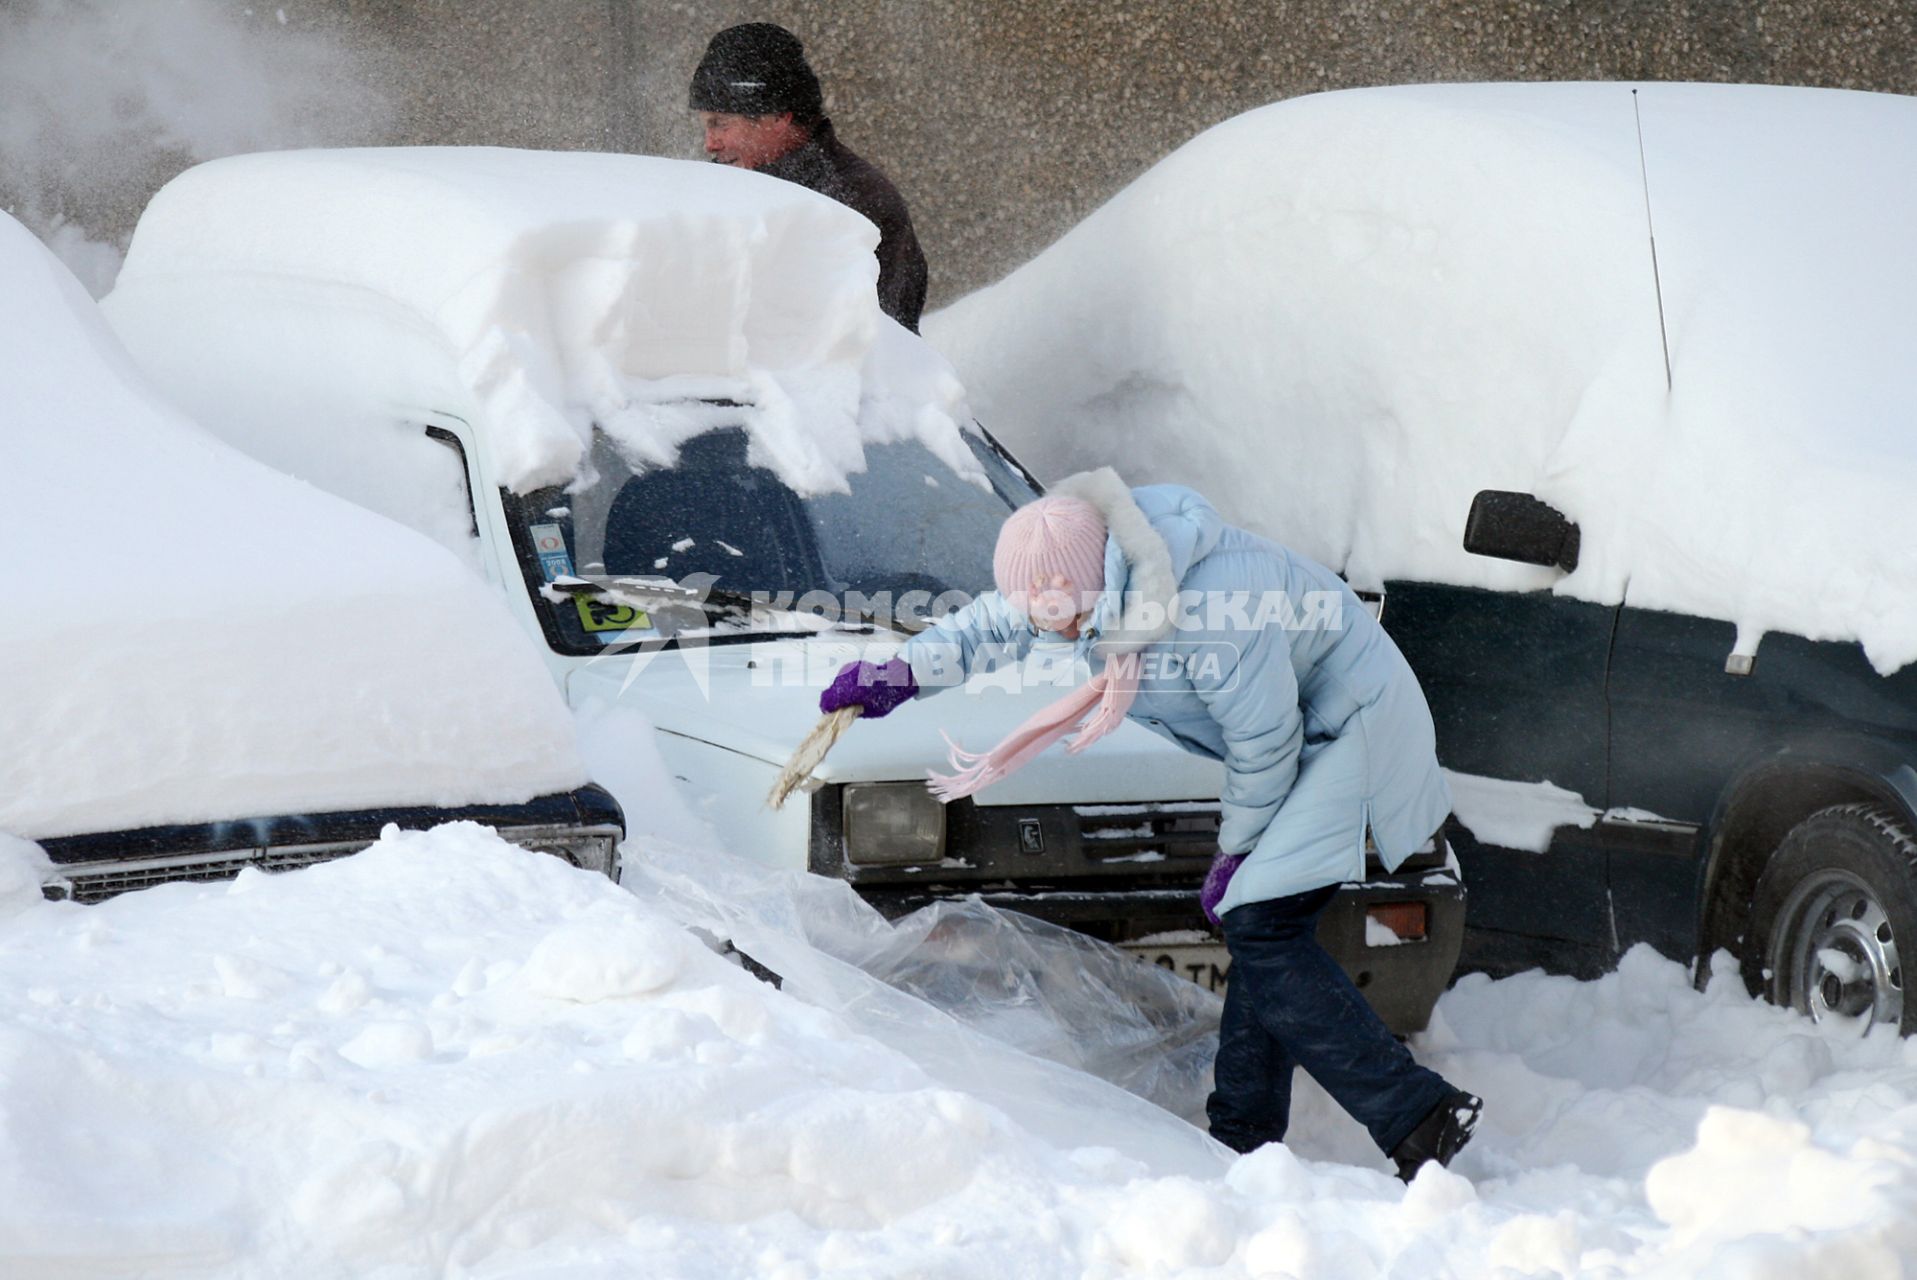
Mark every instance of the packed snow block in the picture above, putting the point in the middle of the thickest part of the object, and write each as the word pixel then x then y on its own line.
pixel 588 963
pixel 533 295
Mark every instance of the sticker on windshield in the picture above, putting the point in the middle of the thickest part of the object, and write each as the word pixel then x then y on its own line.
pixel 549 543
pixel 603 615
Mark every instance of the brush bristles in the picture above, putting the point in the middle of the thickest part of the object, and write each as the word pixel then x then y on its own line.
pixel 811 753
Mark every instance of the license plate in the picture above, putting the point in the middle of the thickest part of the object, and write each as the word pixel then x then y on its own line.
pixel 1207 964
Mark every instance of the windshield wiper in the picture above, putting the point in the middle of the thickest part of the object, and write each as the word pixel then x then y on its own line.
pixel 697 592
pixel 650 593
pixel 888 620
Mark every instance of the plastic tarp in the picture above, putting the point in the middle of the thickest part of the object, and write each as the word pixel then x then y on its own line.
pixel 1052 992
pixel 1074 1039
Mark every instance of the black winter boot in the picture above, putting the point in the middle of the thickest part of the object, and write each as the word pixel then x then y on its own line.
pixel 1440 1135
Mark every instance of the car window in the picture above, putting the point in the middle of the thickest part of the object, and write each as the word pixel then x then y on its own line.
pixel 908 524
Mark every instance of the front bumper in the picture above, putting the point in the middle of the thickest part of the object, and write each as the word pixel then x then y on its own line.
pixel 582 827
pixel 1126 872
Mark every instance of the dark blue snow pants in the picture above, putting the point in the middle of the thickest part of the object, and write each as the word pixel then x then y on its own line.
pixel 1289 1004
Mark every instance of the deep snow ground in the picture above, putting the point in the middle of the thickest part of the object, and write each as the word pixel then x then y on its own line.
pixel 447 1056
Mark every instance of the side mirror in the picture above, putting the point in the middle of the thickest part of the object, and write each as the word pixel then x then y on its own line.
pixel 1516 526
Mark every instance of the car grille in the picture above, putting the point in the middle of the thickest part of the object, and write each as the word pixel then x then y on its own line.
pixel 1117 833
pixel 593 848
pixel 98 882
pixel 1114 833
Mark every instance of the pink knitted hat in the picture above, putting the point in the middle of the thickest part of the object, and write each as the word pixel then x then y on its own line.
pixel 1050 566
pixel 1050 561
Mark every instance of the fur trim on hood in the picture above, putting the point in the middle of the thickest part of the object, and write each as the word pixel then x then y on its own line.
pixel 1144 600
pixel 1134 611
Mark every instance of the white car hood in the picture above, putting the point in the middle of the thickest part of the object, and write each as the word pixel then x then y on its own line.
pixel 760 699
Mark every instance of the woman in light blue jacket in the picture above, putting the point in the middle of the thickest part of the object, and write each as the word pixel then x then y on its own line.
pixel 1235 648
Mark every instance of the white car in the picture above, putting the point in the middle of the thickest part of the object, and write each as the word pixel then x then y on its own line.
pixel 207 666
pixel 655 403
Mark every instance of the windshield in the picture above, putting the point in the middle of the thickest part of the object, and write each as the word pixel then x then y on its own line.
pixel 728 529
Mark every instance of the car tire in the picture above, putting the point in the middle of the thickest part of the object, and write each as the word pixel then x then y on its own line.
pixel 1832 915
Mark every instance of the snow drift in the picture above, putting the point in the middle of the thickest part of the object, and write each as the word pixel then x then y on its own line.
pixel 189 636
pixel 449 1056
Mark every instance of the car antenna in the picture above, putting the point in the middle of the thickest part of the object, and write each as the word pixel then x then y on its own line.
pixel 1644 175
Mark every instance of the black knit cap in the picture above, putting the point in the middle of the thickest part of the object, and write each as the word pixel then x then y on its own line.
pixel 755 69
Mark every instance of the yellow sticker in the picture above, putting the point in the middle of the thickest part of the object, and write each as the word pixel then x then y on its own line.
pixel 603 615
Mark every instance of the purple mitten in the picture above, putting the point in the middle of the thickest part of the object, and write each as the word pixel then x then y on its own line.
pixel 1216 882
pixel 876 690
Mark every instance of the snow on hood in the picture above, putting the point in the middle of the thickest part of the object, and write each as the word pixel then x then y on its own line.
pixel 189 636
pixel 1343 315
pixel 535 295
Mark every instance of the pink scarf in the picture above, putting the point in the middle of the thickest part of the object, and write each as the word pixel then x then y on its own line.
pixel 1105 698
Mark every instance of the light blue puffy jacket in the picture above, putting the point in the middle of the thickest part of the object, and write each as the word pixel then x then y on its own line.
pixel 1320 723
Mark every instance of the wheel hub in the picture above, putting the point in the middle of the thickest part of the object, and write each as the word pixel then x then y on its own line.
pixel 1834 954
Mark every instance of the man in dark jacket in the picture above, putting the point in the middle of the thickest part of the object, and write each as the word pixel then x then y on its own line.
pixel 762 109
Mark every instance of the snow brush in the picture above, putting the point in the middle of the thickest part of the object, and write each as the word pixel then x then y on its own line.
pixel 811 753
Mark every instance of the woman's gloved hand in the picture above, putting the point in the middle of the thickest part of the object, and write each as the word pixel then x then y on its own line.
pixel 876 689
pixel 1217 880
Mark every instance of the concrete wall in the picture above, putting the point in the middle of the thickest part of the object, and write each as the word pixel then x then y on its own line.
pixel 1003 123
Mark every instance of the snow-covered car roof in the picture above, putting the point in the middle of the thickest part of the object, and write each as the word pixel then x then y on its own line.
pixel 1343 315
pixel 534 295
pixel 189 636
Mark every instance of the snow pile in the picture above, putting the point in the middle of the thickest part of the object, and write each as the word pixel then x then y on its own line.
pixel 24 867
pixel 449 1056
pixel 189 636
pixel 532 294
pixel 1399 297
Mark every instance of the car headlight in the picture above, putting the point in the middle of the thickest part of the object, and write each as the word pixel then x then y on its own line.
pixel 893 824
pixel 594 848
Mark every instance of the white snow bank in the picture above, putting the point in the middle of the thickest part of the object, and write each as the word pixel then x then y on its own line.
pixel 450 1056
pixel 533 295
pixel 188 636
pixel 447 1054
pixel 1397 297
pixel 24 868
